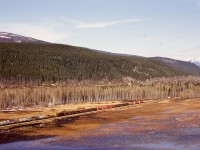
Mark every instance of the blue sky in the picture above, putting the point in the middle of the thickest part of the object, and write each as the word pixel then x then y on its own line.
pixel 168 28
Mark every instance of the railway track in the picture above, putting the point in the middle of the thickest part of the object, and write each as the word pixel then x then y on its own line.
pixel 42 121
pixel 53 119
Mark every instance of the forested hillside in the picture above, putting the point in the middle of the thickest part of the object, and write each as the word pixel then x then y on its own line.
pixel 28 62
pixel 181 65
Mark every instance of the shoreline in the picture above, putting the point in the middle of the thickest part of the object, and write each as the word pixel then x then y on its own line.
pixel 65 114
pixel 5 115
pixel 80 126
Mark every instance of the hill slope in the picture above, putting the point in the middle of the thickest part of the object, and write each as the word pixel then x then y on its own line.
pixel 53 62
pixel 10 37
pixel 180 65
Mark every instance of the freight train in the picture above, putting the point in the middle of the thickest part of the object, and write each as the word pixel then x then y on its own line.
pixel 67 113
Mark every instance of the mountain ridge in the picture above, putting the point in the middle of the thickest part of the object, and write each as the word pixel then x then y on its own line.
pixel 195 61
pixel 179 64
pixel 10 37
pixel 47 62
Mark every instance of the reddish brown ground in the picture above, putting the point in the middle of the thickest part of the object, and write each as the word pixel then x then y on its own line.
pixel 153 112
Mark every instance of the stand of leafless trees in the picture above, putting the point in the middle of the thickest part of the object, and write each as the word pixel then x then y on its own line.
pixel 27 96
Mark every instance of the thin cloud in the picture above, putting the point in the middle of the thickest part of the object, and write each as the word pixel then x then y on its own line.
pixel 83 25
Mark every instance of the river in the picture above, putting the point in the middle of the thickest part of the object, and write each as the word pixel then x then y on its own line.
pixel 168 129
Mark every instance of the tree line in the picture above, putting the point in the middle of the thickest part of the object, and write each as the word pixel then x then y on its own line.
pixel 53 95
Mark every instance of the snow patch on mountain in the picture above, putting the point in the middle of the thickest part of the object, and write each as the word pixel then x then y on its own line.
pixel 195 61
pixel 3 36
pixel 10 37
pixel 4 33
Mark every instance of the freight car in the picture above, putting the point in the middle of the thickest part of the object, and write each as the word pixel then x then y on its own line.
pixel 14 121
pixel 3 123
pixel 66 113
pixel 125 104
pixel 25 119
pixel 39 117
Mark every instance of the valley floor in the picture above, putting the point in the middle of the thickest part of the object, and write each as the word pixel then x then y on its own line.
pixel 162 120
pixel 5 115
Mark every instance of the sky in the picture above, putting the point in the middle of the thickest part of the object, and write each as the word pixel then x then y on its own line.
pixel 166 28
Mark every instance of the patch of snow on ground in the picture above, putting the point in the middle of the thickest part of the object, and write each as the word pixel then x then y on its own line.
pixel 7 37
pixel 3 33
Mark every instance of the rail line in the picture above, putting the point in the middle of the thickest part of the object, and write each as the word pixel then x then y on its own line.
pixel 66 114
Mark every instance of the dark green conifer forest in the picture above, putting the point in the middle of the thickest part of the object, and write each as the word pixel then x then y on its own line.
pixel 26 62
